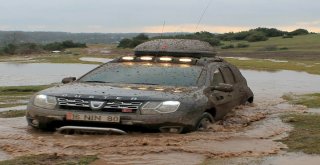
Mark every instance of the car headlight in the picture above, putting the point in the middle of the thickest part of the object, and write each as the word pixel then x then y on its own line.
pixel 45 101
pixel 152 107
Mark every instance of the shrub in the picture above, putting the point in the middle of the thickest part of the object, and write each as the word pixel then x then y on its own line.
pixel 242 45
pixel 231 46
pixel 283 48
pixel 287 36
pixel 257 36
pixel 299 32
pixel 131 43
pixel 63 45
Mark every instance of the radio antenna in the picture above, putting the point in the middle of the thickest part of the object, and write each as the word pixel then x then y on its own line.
pixel 203 13
pixel 164 24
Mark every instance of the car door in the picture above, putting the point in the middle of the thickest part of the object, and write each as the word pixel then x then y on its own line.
pixel 230 78
pixel 223 101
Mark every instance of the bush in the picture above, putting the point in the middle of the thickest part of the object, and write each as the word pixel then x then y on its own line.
pixel 63 45
pixel 131 43
pixel 287 36
pixel 257 36
pixel 10 49
pixel 242 45
pixel 231 46
pixel 299 32
pixel 283 48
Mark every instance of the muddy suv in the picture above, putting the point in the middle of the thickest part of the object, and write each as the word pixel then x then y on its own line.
pixel 168 85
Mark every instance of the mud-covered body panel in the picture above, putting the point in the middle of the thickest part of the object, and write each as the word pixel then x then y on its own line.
pixel 126 101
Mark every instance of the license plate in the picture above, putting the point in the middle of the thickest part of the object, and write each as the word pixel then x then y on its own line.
pixel 92 117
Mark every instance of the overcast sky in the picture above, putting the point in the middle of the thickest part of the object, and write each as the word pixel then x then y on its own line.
pixel 149 15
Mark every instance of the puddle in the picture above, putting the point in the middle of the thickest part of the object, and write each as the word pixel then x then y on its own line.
pixel 93 59
pixel 274 60
pixel 247 59
pixel 19 74
pixel 275 84
pixel 240 58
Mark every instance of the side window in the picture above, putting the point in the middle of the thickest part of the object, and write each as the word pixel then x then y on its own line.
pixel 228 75
pixel 217 78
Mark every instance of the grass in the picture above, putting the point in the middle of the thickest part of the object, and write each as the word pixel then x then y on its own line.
pixel 306 135
pixel 303 43
pixel 311 67
pixel 12 114
pixel 309 100
pixel 17 95
pixel 72 55
pixel 21 90
pixel 45 159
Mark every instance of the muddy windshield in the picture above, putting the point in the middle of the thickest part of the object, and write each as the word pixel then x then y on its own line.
pixel 143 73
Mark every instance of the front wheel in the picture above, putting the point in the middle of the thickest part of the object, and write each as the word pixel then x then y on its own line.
pixel 204 122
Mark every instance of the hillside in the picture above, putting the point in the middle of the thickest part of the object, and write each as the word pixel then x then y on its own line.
pixel 299 47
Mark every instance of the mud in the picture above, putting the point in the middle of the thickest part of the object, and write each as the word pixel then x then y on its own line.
pixel 248 131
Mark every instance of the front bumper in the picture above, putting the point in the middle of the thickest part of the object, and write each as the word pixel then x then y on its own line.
pixel 181 118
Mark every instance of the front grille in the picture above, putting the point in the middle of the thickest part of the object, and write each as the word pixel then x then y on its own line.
pixel 109 105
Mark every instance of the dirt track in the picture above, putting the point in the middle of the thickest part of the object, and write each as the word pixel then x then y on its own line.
pixel 248 131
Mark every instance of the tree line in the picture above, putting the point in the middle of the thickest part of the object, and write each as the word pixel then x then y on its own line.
pixel 253 35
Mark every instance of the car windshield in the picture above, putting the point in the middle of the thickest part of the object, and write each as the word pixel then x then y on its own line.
pixel 145 73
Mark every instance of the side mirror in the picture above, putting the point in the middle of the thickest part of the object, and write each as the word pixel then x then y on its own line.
pixel 68 80
pixel 223 87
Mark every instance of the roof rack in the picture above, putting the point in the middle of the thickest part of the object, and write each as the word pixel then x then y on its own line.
pixel 175 48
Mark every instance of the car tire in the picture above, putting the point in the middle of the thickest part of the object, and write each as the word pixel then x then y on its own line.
pixel 204 122
pixel 43 127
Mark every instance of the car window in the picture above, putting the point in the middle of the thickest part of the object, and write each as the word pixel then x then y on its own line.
pixel 228 75
pixel 217 78
pixel 146 73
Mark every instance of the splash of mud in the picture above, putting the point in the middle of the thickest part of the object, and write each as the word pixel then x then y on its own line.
pixel 241 133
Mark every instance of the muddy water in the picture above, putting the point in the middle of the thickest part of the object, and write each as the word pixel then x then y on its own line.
pixel 248 133
pixel 18 74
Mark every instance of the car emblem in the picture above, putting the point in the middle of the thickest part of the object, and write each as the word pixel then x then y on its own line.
pixel 96 105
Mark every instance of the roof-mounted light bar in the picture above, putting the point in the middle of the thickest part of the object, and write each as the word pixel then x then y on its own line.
pixel 128 58
pixel 166 59
pixel 146 58
pixel 185 60
pixel 161 59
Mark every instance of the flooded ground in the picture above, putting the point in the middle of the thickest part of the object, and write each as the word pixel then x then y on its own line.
pixel 19 74
pixel 246 135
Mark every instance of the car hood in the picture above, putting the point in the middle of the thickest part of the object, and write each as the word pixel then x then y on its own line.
pixel 121 92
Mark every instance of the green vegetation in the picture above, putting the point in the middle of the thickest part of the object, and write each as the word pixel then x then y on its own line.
pixel 299 44
pixel 45 159
pixel 311 67
pixel 30 48
pixel 16 96
pixel 21 90
pixel 12 113
pixel 253 35
pixel 306 135
pixel 131 43
pixel 309 100
pixel 63 45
